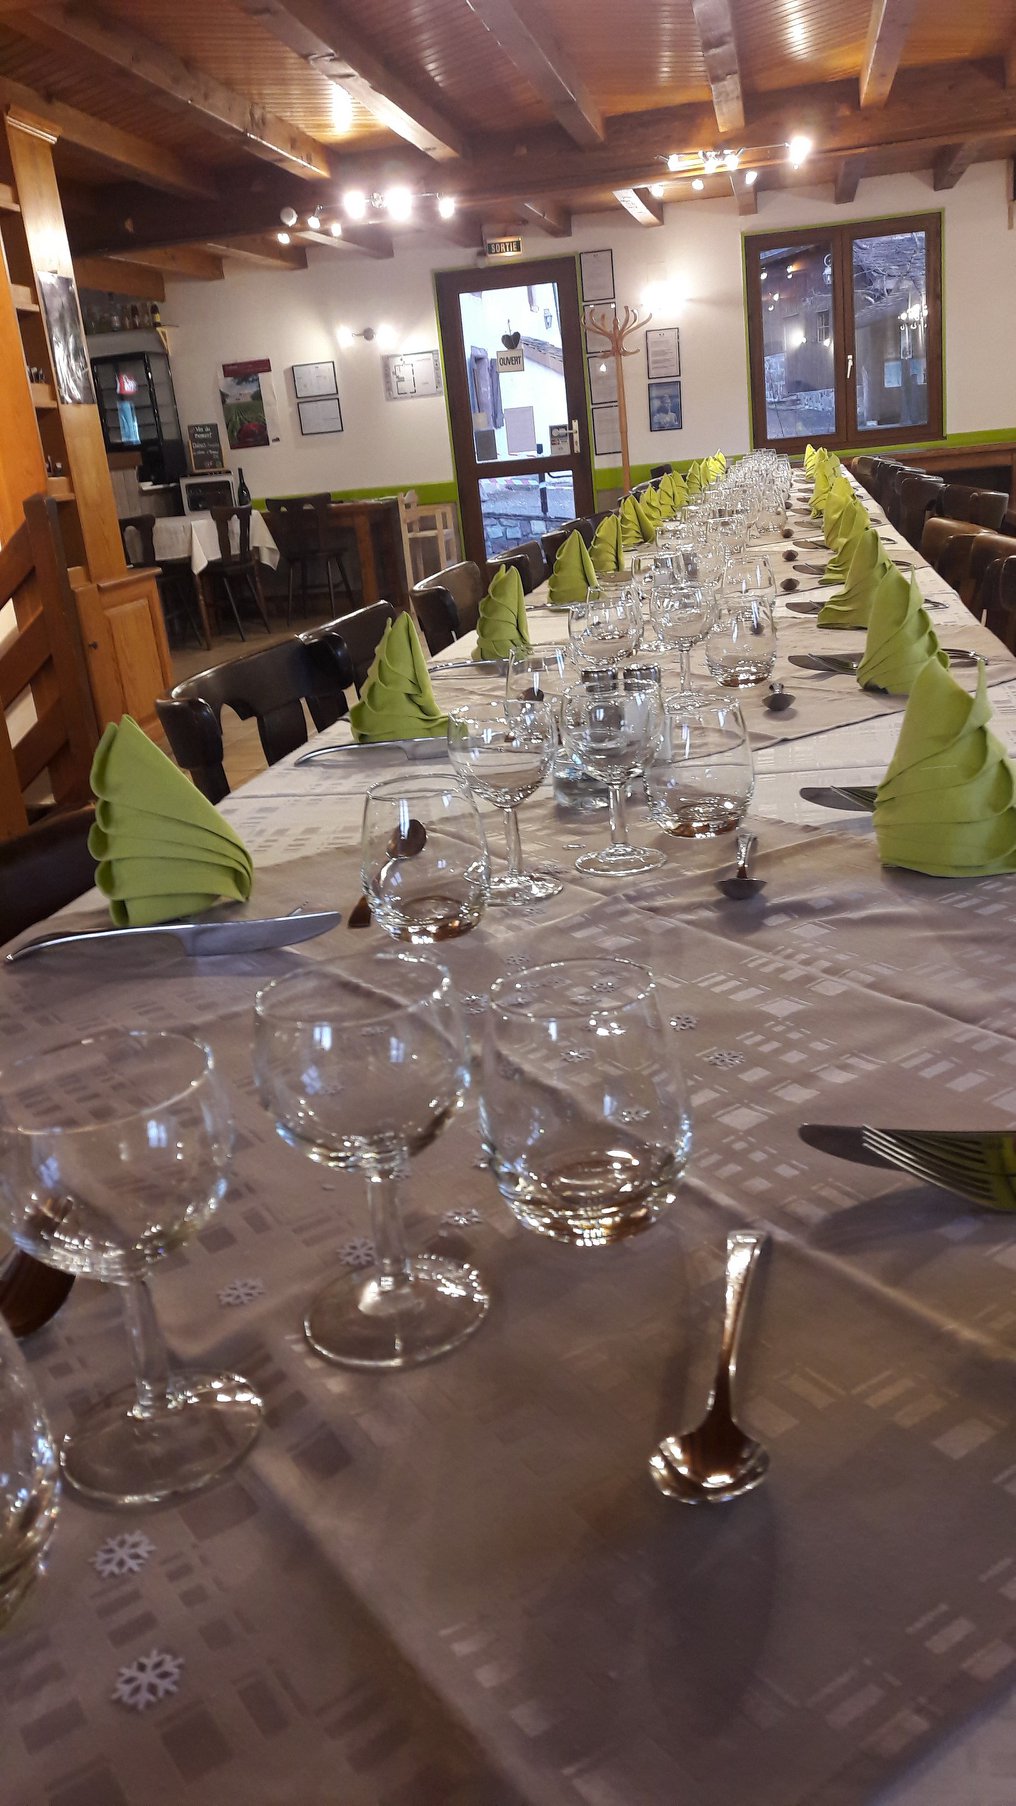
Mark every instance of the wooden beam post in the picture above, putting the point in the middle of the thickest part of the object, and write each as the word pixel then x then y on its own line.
pixel 551 218
pixel 222 109
pixel 520 29
pixel 133 157
pixel 266 252
pixel 186 261
pixel 952 162
pixel 644 207
pixel 848 175
pixel 744 193
pixel 888 26
pixel 373 241
pixel 117 275
pixel 715 22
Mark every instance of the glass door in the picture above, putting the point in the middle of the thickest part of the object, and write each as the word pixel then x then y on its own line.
pixel 796 340
pixel 894 387
pixel 516 392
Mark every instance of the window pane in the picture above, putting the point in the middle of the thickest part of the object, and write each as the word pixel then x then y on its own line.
pixel 890 276
pixel 513 411
pixel 797 337
pixel 518 508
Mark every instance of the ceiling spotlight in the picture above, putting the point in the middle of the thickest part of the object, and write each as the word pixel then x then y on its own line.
pixel 445 206
pixel 750 177
pixel 288 216
pixel 712 161
pixel 698 184
pixel 656 190
pixel 355 202
pixel 399 203
pixel 283 237
pixel 313 222
pixel 798 150
pixel 731 159
pixel 674 162
pixel 336 228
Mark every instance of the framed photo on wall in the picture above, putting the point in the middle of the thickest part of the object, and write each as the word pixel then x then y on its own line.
pixel 314 379
pixel 323 416
pixel 665 414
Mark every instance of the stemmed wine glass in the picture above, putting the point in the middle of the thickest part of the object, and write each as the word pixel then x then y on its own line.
pixel 361 1064
pixel 613 730
pixel 29 1477
pixel 605 630
pixel 682 615
pixel 113 1150
pixel 502 750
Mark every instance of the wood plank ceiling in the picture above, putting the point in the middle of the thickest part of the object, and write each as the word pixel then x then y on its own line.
pixel 195 125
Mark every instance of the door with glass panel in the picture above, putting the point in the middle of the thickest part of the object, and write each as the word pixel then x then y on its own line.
pixel 513 354
pixel 844 329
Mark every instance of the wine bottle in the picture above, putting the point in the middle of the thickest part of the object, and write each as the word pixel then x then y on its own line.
pixel 242 491
pixel 135 316
pixel 156 315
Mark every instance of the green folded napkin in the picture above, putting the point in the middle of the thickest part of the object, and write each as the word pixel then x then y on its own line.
pixel 636 527
pixel 574 573
pixel 652 507
pixel 674 493
pixel 715 467
pixel 900 639
pixel 824 475
pixel 502 623
pixel 163 849
pixel 607 549
pixel 694 478
pixel 720 458
pixel 947 804
pixel 852 607
pixel 838 500
pixel 853 525
pixel 397 699
pixel 810 454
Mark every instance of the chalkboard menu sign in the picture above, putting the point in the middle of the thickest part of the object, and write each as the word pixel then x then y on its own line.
pixel 205 447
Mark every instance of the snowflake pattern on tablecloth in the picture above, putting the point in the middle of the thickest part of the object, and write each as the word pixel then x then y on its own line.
pixel 242 1291
pixel 683 1022
pixel 462 1219
pixel 125 1553
pixel 147 1680
pixel 722 1056
pixel 474 1002
pixel 359 1252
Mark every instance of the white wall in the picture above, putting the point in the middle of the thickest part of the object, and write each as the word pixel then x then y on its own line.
pixel 694 264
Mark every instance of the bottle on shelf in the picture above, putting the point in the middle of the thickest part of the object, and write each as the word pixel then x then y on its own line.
pixel 114 317
pixel 242 491
pixel 135 316
pixel 156 315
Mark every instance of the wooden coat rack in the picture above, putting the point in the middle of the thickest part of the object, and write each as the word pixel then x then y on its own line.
pixel 616 329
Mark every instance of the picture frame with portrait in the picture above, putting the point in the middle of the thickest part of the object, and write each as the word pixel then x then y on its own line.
pixel 665 411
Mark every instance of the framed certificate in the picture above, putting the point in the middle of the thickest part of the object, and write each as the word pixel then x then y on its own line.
pixel 602 382
pixel 314 379
pixel 663 352
pixel 606 431
pixel 320 416
pixel 597 269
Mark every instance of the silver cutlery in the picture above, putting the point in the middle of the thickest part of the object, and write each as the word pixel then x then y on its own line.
pixel 496 666
pixel 777 698
pixel 717 1460
pixel 427 747
pixel 740 887
pixel 860 798
pixel 198 939
pixel 846 663
pixel 978 1164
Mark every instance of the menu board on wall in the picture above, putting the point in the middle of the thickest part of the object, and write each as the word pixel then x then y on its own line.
pixel 205 446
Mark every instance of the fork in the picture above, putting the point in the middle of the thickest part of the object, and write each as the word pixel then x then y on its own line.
pixel 979 1167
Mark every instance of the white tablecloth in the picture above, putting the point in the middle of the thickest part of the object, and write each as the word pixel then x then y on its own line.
pixel 196 537
pixel 457 1587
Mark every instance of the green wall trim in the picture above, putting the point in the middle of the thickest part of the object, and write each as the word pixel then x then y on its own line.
pixel 426 493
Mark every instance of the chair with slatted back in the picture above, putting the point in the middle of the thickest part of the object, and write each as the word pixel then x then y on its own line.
pixel 986 550
pixel 177 583
pixel 461 587
pixel 528 560
pixel 238 570
pixel 48 730
pixel 300 527
pixel 918 495
pixel 271 685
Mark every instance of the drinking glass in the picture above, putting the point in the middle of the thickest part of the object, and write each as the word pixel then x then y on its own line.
pixel 741 643
pixel 613 732
pixel 425 866
pixel 605 630
pixel 113 1150
pixel 701 780
pixel 583 1112
pixel 749 574
pixel 502 750
pixel 682 615
pixel 29 1477
pixel 361 1063
pixel 541 676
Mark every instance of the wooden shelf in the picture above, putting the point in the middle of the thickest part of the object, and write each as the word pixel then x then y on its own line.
pixel 24 300
pixel 60 489
pixel 8 203
pixel 42 395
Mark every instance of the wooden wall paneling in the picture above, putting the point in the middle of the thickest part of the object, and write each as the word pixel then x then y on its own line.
pixel 22 465
pixel 125 642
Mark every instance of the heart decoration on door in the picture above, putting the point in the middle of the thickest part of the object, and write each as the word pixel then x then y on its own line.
pixel 511 340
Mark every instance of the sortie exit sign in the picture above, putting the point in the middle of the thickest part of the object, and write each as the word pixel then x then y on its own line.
pixel 503 247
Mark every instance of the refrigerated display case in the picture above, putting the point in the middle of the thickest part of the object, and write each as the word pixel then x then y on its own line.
pixel 137 407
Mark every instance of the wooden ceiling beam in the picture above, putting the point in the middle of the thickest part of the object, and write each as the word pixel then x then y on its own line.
pixel 117 277
pixel 1010 66
pixel 643 207
pixel 848 175
pixel 122 151
pixel 464 229
pixel 519 27
pixel 189 261
pixel 888 27
pixel 220 109
pixel 953 161
pixel 715 21
pixel 327 39
pixel 744 193
pixel 266 252
pixel 371 241
pixel 550 216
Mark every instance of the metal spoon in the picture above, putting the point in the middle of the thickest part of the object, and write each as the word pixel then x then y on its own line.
pixel 778 699
pixel 718 1460
pixel 740 886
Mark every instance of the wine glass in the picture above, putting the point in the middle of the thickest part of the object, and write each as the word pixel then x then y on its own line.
pixel 502 750
pixel 583 1111
pixel 749 574
pixel 613 731
pixel 113 1150
pixel 682 615
pixel 741 643
pixel 361 1063
pixel 425 867
pixel 605 630
pixel 538 676
pixel 29 1477
pixel 701 780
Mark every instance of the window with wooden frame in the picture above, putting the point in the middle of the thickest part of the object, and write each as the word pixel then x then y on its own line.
pixel 845 333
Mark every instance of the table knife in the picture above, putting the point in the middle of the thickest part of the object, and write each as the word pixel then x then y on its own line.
pixel 428 746
pixel 199 939
pixel 846 1142
pixel 856 797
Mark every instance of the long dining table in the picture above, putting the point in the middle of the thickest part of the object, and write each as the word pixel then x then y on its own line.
pixel 456 1586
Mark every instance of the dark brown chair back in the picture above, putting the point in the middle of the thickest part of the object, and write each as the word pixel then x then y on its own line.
pixel 988 549
pixel 528 560
pixel 222 518
pixel 138 534
pixel 44 869
pixel 436 616
pixel 918 493
pixel 464 584
pixel 939 532
pixel 863 468
pixel 988 508
pixel 360 634
pixel 1000 613
pixel 270 685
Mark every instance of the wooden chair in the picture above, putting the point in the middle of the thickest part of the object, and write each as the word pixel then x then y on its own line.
pixel 177 582
pixel 436 616
pixel 553 541
pixel 987 549
pixel 1000 601
pixel 918 495
pixel 47 741
pixel 358 635
pixel 463 586
pixel 239 571
pixel 938 534
pixel 863 468
pixel 272 685
pixel 299 526
pixel 985 507
pixel 528 560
